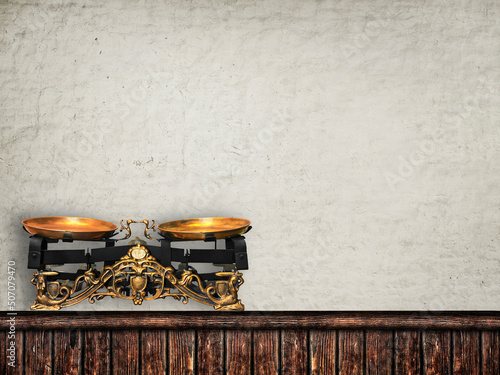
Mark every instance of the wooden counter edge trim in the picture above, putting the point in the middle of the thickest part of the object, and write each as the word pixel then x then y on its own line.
pixel 460 320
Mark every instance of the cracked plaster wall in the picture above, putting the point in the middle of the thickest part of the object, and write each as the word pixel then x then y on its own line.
pixel 361 138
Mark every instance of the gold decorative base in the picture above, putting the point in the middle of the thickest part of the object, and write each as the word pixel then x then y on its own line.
pixel 128 279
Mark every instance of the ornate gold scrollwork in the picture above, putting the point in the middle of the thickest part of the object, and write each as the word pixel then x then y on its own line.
pixel 139 277
pixel 129 232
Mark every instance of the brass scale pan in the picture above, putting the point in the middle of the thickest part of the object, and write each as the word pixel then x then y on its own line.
pixel 81 228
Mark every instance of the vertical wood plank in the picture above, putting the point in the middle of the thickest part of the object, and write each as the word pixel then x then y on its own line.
pixel 466 353
pixel 125 345
pixel 153 352
pixel 407 352
pixel 491 352
pixel 67 352
pixel 238 352
pixel 3 352
pixel 437 352
pixel 96 352
pixel 210 352
pixel 38 356
pixel 379 346
pixel 322 352
pixel 18 344
pixel 351 348
pixel 266 352
pixel 294 352
pixel 182 352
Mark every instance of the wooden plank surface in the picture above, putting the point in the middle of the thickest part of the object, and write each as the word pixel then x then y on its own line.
pixel 18 367
pixel 466 353
pixel 3 352
pixel 257 320
pixel 322 352
pixel 238 352
pixel 182 346
pixel 67 352
pixel 266 352
pixel 294 350
pixel 210 355
pixel 379 347
pixel 351 352
pixel 407 352
pixel 437 352
pixel 287 352
pixel 125 349
pixel 96 352
pixel 38 354
pixel 153 352
pixel 491 352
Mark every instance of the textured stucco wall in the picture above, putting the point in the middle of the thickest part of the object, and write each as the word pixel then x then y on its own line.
pixel 361 138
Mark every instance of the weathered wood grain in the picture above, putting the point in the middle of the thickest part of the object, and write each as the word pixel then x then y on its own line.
pixel 258 320
pixel 38 355
pixel 18 344
pixel 181 350
pixel 294 351
pixel 96 352
pixel 351 352
pixel 125 348
pixel 67 352
pixel 491 352
pixel 437 352
pixel 3 352
pixel 466 353
pixel 407 352
pixel 238 352
pixel 220 350
pixel 322 352
pixel 379 349
pixel 266 352
pixel 153 352
pixel 210 354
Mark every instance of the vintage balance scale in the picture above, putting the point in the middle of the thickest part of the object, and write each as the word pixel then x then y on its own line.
pixel 137 271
